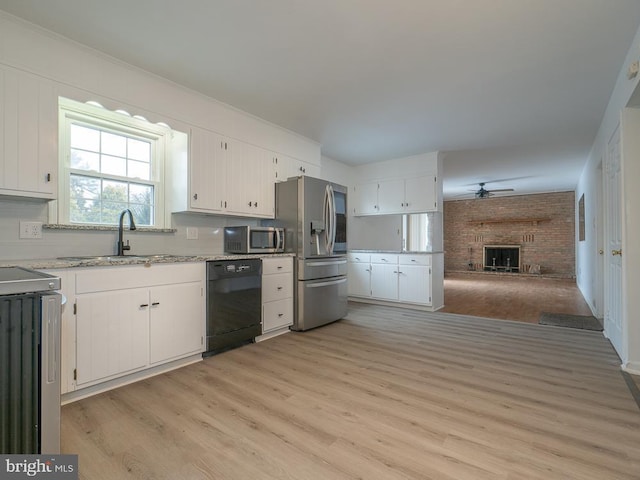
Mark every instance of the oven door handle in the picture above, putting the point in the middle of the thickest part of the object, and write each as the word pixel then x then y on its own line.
pixel 326 284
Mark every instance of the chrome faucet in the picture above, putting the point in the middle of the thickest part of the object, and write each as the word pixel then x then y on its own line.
pixel 132 226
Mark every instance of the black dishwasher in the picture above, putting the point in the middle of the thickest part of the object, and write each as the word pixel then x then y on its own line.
pixel 234 303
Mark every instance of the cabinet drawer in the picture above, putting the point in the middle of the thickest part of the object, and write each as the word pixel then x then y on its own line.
pixel 359 257
pixel 414 260
pixel 277 265
pixel 277 287
pixel 384 258
pixel 277 314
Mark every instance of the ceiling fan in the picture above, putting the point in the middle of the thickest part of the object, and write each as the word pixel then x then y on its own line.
pixel 484 193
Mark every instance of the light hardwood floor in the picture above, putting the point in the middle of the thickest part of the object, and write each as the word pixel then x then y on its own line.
pixel 511 297
pixel 386 393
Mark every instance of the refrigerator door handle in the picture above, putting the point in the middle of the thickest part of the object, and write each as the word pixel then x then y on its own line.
pixel 326 284
pixel 323 264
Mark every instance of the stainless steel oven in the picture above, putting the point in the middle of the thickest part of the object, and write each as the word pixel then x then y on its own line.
pixel 30 313
pixel 248 239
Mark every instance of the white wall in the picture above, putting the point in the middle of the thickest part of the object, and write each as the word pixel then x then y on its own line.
pixel 589 280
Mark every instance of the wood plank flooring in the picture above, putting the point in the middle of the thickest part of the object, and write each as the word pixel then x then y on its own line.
pixel 386 393
pixel 511 297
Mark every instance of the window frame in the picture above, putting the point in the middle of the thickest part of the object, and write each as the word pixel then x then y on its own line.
pixel 73 112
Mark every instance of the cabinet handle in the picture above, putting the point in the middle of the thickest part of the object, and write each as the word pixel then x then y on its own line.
pixel 383 259
pixel 413 259
pixel 155 304
pixel 367 270
pixel 255 204
pixel 143 305
pixel 279 267
pixel 225 204
pixel 48 177
pixel 279 288
pixel 195 196
pixel 281 315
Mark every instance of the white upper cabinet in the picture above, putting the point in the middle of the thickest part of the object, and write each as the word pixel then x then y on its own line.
pixel 412 195
pixel 28 135
pixel 207 168
pixel 391 196
pixel 222 175
pixel 364 199
pixel 252 180
pixel 287 167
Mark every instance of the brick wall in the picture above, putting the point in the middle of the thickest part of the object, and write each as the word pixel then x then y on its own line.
pixel 548 242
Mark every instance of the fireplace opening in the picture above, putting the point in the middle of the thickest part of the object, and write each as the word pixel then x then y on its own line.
pixel 504 258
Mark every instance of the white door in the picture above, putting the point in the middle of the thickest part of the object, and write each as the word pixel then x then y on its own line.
pixel 391 196
pixel 359 275
pixel 414 284
pixel 176 321
pixel 613 319
pixel 112 334
pixel 365 199
pixel 384 281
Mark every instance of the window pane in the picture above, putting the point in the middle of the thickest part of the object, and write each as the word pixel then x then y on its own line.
pixel 114 191
pixel 84 211
pixel 85 138
pixel 142 214
pixel 139 150
pixel 114 144
pixel 140 194
pixel 84 187
pixel 111 212
pixel 83 160
pixel 139 170
pixel 114 165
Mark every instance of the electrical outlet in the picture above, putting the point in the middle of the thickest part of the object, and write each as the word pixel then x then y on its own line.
pixel 30 229
pixel 192 233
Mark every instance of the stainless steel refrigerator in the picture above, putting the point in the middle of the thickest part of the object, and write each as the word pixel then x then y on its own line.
pixel 314 214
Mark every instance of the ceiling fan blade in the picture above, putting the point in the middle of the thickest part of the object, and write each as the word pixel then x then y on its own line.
pixel 501 190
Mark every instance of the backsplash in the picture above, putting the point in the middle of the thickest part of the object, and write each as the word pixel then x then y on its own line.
pixel 58 243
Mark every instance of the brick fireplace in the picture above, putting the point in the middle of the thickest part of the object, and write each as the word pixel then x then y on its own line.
pixel 542 226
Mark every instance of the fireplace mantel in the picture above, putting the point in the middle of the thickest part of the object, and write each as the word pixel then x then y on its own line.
pixel 533 221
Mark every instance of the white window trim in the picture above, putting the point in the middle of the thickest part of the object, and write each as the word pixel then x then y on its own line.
pixel 71 111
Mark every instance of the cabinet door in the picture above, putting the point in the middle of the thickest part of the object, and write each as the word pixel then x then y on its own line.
pixel 420 194
pixel 112 334
pixel 359 275
pixel 414 284
pixel 207 170
pixel 384 281
pixel 365 199
pixel 391 198
pixel 264 202
pixel 28 135
pixel 176 321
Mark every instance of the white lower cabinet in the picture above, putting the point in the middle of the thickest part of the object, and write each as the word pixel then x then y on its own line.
pixel 404 278
pixel 175 321
pixel 359 275
pixel 277 296
pixel 131 318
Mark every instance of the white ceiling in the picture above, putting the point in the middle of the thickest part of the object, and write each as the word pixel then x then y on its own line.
pixel 512 90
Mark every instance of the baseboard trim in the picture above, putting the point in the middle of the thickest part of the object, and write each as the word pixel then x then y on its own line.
pixel 631 367
pixel 412 306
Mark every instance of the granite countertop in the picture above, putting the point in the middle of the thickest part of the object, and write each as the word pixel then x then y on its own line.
pixel 395 252
pixel 112 260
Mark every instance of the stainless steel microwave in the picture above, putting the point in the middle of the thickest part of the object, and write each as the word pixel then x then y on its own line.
pixel 247 239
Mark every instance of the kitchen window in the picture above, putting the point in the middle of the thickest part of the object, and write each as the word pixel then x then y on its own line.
pixel 110 161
